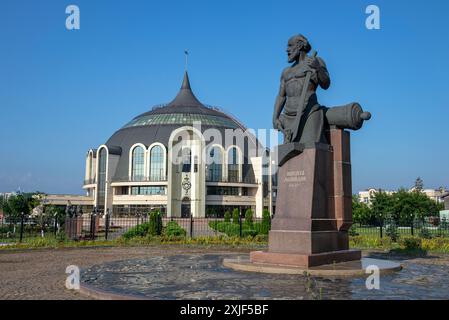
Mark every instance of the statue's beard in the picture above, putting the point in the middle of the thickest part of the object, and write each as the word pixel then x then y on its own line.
pixel 292 57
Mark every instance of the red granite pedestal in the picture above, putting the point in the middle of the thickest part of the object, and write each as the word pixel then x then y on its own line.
pixel 313 208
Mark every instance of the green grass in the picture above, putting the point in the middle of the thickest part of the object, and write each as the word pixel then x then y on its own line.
pixel 51 242
pixel 375 231
pixel 364 242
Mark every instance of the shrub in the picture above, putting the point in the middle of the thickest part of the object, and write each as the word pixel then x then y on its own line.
pixel 436 244
pixel 411 243
pixel 368 242
pixel 235 216
pixel 173 229
pixel 61 237
pixel 138 231
pixel 6 228
pixel 227 216
pixel 214 224
pixel 352 232
pixel 261 238
pixel 228 228
pixel 392 231
pixel 249 233
pixel 249 218
pixel 266 222
pixel 425 233
pixel 155 227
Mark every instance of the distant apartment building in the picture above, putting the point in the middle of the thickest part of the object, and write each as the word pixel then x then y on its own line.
pixel 366 196
pixel 445 197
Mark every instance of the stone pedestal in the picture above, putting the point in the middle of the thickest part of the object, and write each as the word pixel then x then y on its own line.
pixel 313 208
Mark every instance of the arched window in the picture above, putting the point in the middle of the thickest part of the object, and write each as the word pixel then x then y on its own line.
pixel 157 164
pixel 214 169
pixel 102 162
pixel 186 160
pixel 138 164
pixel 233 165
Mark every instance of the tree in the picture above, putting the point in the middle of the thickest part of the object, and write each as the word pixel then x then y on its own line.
pixel 408 206
pixel 155 223
pixel 266 222
pixel 235 216
pixel 419 184
pixel 227 216
pixel 381 206
pixel 249 218
pixel 17 205
pixel 361 212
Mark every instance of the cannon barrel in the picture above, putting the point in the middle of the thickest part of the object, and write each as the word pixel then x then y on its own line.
pixel 350 116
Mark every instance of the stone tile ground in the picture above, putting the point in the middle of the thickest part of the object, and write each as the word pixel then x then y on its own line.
pixel 40 274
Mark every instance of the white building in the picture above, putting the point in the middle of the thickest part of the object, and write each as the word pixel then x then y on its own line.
pixel 170 158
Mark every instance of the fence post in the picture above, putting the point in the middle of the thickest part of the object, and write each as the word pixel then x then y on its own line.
pixel 106 227
pixel 21 226
pixel 92 226
pixel 381 227
pixel 412 229
pixel 240 226
pixel 56 223
pixel 191 225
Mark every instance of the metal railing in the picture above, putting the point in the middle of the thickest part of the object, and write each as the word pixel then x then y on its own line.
pixel 106 227
pixel 97 226
pixel 247 180
pixel 142 179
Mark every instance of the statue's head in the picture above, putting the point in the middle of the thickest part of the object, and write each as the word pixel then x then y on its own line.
pixel 296 45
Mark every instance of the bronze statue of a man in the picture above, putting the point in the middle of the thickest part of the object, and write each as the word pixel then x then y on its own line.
pixel 303 117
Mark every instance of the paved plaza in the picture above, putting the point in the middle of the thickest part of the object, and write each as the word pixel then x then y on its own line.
pixel 180 272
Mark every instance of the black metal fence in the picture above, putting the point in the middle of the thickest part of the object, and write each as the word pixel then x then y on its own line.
pixel 107 227
pixel 18 229
pixel 425 228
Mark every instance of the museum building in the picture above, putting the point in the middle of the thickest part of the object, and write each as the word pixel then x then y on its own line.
pixel 170 158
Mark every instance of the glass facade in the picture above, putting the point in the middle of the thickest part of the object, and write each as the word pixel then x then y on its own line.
pixel 186 160
pixel 182 119
pixel 233 165
pixel 157 164
pixel 214 169
pixel 103 156
pixel 148 190
pixel 223 191
pixel 138 164
pixel 123 211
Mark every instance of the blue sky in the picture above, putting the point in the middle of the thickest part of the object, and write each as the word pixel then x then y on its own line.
pixel 63 92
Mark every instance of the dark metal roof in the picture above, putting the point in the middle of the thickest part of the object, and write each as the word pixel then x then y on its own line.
pixel 158 124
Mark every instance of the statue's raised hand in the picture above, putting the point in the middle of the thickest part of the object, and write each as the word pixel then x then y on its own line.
pixel 311 64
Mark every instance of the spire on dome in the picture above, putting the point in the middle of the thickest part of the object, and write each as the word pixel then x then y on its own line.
pixel 185 96
pixel 186 82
